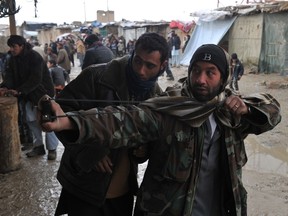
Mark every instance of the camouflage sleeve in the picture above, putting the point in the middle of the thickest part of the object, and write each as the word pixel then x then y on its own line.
pixel 265 112
pixel 117 126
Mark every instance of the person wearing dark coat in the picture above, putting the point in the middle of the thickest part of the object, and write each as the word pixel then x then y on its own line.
pixel 28 78
pixel 87 190
pixel 97 53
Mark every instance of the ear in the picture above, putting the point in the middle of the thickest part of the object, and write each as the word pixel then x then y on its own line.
pixel 163 65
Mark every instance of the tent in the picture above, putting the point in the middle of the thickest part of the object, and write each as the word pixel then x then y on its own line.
pixel 206 31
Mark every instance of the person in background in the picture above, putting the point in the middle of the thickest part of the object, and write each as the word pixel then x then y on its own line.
pixel 130 47
pixel 50 55
pixel 87 190
pixel 58 75
pixel 195 164
pixel 238 71
pixel 28 78
pixel 121 48
pixel 70 44
pixel 63 59
pixel 114 46
pixel 175 49
pixel 168 68
pixel 39 49
pixel 53 45
pixel 25 134
pixel 96 52
pixel 186 42
pixel 80 50
pixel 45 48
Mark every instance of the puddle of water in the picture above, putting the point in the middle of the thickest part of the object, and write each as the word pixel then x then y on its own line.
pixel 266 158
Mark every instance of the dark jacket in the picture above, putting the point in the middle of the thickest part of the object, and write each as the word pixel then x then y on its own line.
pixel 58 75
pixel 28 74
pixel 238 69
pixel 97 55
pixel 76 173
pixel 175 41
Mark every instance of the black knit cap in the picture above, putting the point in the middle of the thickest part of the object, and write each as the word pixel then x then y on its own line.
pixel 213 54
pixel 90 39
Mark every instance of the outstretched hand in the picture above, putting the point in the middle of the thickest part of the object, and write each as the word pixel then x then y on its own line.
pixel 61 122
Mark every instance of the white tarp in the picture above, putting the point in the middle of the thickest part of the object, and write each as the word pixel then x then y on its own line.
pixel 206 32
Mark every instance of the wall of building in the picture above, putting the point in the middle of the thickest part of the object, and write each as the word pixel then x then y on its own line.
pixel 105 16
pixel 245 38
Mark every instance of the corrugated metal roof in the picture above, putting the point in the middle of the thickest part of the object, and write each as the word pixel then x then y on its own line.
pixel 273 7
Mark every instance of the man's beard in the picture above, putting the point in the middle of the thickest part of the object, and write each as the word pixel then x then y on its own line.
pixel 208 95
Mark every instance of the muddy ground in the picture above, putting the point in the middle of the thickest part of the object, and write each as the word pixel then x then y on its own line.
pixel 34 190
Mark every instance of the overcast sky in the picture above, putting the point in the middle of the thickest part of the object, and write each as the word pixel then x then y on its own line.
pixel 60 11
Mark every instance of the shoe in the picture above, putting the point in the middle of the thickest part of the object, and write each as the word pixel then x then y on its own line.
pixel 170 78
pixel 38 150
pixel 52 154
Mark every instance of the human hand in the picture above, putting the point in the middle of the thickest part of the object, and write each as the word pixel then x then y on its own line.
pixel 236 105
pixel 2 91
pixel 61 122
pixel 8 92
pixel 105 165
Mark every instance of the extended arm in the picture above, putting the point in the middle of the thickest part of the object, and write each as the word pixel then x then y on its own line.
pixel 113 126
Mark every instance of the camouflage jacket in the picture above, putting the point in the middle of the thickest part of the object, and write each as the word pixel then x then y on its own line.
pixel 169 183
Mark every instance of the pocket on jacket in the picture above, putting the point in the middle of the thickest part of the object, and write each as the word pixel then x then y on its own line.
pixel 180 156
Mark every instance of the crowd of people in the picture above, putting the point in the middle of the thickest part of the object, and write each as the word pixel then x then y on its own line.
pixel 58 56
pixel 114 115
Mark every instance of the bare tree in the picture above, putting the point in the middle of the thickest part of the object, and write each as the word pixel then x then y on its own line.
pixel 8 8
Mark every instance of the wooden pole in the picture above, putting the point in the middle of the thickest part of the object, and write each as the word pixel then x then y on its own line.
pixel 10 152
pixel 12 22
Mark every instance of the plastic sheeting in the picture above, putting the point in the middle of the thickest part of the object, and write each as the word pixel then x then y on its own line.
pixel 206 32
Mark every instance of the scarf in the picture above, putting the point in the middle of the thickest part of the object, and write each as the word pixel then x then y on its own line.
pixel 139 89
pixel 186 108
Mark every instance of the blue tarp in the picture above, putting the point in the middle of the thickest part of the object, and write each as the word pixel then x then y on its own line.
pixel 206 32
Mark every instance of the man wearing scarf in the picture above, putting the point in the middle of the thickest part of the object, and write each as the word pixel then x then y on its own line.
pixel 87 190
pixel 196 139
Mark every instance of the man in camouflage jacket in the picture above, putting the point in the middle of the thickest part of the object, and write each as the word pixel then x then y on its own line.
pixel 195 164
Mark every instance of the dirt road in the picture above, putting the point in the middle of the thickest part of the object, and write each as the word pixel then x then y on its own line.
pixel 34 190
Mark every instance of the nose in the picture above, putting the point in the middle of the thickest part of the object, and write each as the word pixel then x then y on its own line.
pixel 201 78
pixel 142 72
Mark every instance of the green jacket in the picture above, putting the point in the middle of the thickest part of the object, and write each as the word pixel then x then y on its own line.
pixel 170 180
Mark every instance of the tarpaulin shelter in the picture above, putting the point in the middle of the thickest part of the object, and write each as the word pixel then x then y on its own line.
pixel 210 30
pixel 257 33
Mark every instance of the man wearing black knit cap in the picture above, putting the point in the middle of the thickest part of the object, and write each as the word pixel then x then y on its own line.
pixel 96 52
pixel 195 163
